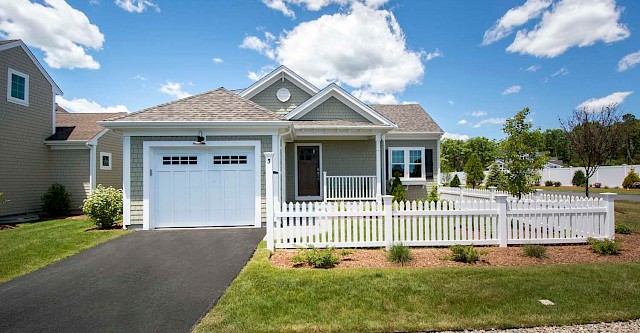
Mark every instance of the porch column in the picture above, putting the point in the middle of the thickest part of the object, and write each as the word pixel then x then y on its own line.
pixel 378 166
pixel 438 162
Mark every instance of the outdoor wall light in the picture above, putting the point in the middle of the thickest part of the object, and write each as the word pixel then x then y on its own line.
pixel 200 140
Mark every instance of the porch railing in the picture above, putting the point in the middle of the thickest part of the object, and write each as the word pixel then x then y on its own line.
pixel 349 187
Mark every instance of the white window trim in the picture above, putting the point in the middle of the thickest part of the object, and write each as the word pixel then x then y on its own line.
pixel 108 167
pixel 11 99
pixel 405 179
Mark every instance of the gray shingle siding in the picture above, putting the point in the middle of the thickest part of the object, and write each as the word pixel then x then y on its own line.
pixel 110 142
pixel 136 167
pixel 332 109
pixel 71 169
pixel 24 162
pixel 415 192
pixel 267 98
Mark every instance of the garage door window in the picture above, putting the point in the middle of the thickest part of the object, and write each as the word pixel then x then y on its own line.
pixel 179 160
pixel 230 159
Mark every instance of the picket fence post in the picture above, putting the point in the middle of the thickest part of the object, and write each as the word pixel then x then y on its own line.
pixel 538 194
pixel 461 192
pixel 501 199
pixel 611 223
pixel 268 160
pixel 387 220
pixel 492 192
pixel 324 186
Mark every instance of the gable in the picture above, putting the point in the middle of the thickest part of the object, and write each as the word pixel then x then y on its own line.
pixel 14 46
pixel 333 109
pixel 267 98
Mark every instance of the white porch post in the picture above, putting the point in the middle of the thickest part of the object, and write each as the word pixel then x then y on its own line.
pixel 378 166
pixel 269 196
pixel 439 180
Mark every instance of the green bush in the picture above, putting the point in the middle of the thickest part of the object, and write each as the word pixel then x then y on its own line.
pixel 455 182
pixel 397 189
pixel 104 206
pixel 399 253
pixel 318 258
pixel 631 178
pixel 604 247
pixel 464 253
pixel 557 184
pixel 56 201
pixel 548 183
pixel 579 179
pixel 496 178
pixel 433 194
pixel 623 229
pixel 534 251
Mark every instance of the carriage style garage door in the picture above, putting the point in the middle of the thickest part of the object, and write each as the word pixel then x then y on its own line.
pixel 201 187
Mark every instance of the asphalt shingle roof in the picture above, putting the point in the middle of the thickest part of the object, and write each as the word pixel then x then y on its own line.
pixel 78 126
pixel 2 42
pixel 216 105
pixel 408 117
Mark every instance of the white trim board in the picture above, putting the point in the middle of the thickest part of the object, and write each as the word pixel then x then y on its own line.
pixel 295 154
pixel 147 153
pixel 275 75
pixel 54 87
pixel 105 167
pixel 25 101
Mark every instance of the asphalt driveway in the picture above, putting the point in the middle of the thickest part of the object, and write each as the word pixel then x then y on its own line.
pixel 147 281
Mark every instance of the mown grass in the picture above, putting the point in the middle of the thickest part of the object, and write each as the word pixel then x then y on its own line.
pixel 31 246
pixel 628 213
pixel 268 299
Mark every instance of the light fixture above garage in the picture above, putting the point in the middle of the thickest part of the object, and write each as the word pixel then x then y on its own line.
pixel 200 139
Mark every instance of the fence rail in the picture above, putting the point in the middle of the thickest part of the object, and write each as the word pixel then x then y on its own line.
pixel 349 187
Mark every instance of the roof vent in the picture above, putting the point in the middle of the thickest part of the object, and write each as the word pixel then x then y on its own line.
pixel 283 94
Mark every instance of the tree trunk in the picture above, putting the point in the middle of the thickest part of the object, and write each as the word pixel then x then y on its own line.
pixel 586 186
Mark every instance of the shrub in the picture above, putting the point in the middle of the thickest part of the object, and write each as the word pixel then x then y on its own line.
pixel 56 201
pixel 597 185
pixel 604 247
pixel 623 229
pixel 630 179
pixel 534 251
pixel 397 189
pixel 474 171
pixel 635 185
pixel 455 182
pixel 104 206
pixel 548 183
pixel 579 178
pixel 318 258
pixel 557 184
pixel 496 178
pixel 399 253
pixel 433 194
pixel 464 253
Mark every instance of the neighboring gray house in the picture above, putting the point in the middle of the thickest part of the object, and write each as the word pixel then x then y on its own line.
pixel 28 117
pixel 199 161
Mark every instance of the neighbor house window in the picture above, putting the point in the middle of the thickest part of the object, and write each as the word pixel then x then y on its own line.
pixel 105 161
pixel 407 162
pixel 18 87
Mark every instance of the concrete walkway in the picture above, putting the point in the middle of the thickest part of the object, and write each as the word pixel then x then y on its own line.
pixel 147 281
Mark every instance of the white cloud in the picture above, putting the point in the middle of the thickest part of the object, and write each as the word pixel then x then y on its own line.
pixel 82 105
pixel 532 68
pixel 514 18
pixel 454 136
pixel 490 121
pixel 512 90
pixel 433 55
pixel 478 113
pixel 629 61
pixel 315 5
pixel 136 6
pixel 63 33
pixel 375 98
pixel 174 89
pixel 451 102
pixel 139 77
pixel 462 122
pixel 217 60
pixel 363 48
pixel 561 72
pixel 255 76
pixel 597 104
pixel 569 24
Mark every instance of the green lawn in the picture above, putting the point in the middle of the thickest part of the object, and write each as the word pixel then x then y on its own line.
pixel 591 190
pixel 628 213
pixel 31 246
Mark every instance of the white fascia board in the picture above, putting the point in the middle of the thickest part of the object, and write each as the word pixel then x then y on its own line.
pixel 414 135
pixel 54 87
pixel 275 75
pixel 192 124
pixel 333 90
pixel 66 144
pixel 94 141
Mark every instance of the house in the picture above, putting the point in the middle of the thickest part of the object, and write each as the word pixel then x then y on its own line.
pixel 199 161
pixel 554 163
pixel 39 146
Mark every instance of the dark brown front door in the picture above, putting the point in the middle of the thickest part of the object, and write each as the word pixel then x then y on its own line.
pixel 308 171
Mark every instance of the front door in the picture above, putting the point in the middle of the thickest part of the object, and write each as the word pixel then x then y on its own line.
pixel 308 171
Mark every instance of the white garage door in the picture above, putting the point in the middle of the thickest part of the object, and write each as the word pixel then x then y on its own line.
pixel 198 187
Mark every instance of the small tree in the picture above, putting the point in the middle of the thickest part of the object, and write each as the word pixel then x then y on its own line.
pixel 521 154
pixel 455 182
pixel 474 171
pixel 631 178
pixel 496 178
pixel 592 137
pixel 56 201
pixel 397 189
pixel 433 194
pixel 578 178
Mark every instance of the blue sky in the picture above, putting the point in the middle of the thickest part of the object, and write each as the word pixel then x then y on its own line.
pixel 470 64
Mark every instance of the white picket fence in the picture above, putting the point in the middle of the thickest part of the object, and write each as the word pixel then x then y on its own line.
pixel 462 193
pixel 349 187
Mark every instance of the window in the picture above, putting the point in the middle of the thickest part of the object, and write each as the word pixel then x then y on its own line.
pixel 18 87
pixel 230 159
pixel 407 162
pixel 105 161
pixel 179 160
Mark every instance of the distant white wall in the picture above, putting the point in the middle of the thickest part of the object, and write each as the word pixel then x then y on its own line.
pixel 610 176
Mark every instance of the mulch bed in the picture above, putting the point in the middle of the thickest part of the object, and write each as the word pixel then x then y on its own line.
pixel 495 256
pixel 117 226
pixel 7 226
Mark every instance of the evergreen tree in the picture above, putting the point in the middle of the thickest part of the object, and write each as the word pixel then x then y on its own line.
pixel 496 177
pixel 474 171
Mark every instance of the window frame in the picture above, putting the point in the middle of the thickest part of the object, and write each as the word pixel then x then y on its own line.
pixel 107 167
pixel 406 179
pixel 25 101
